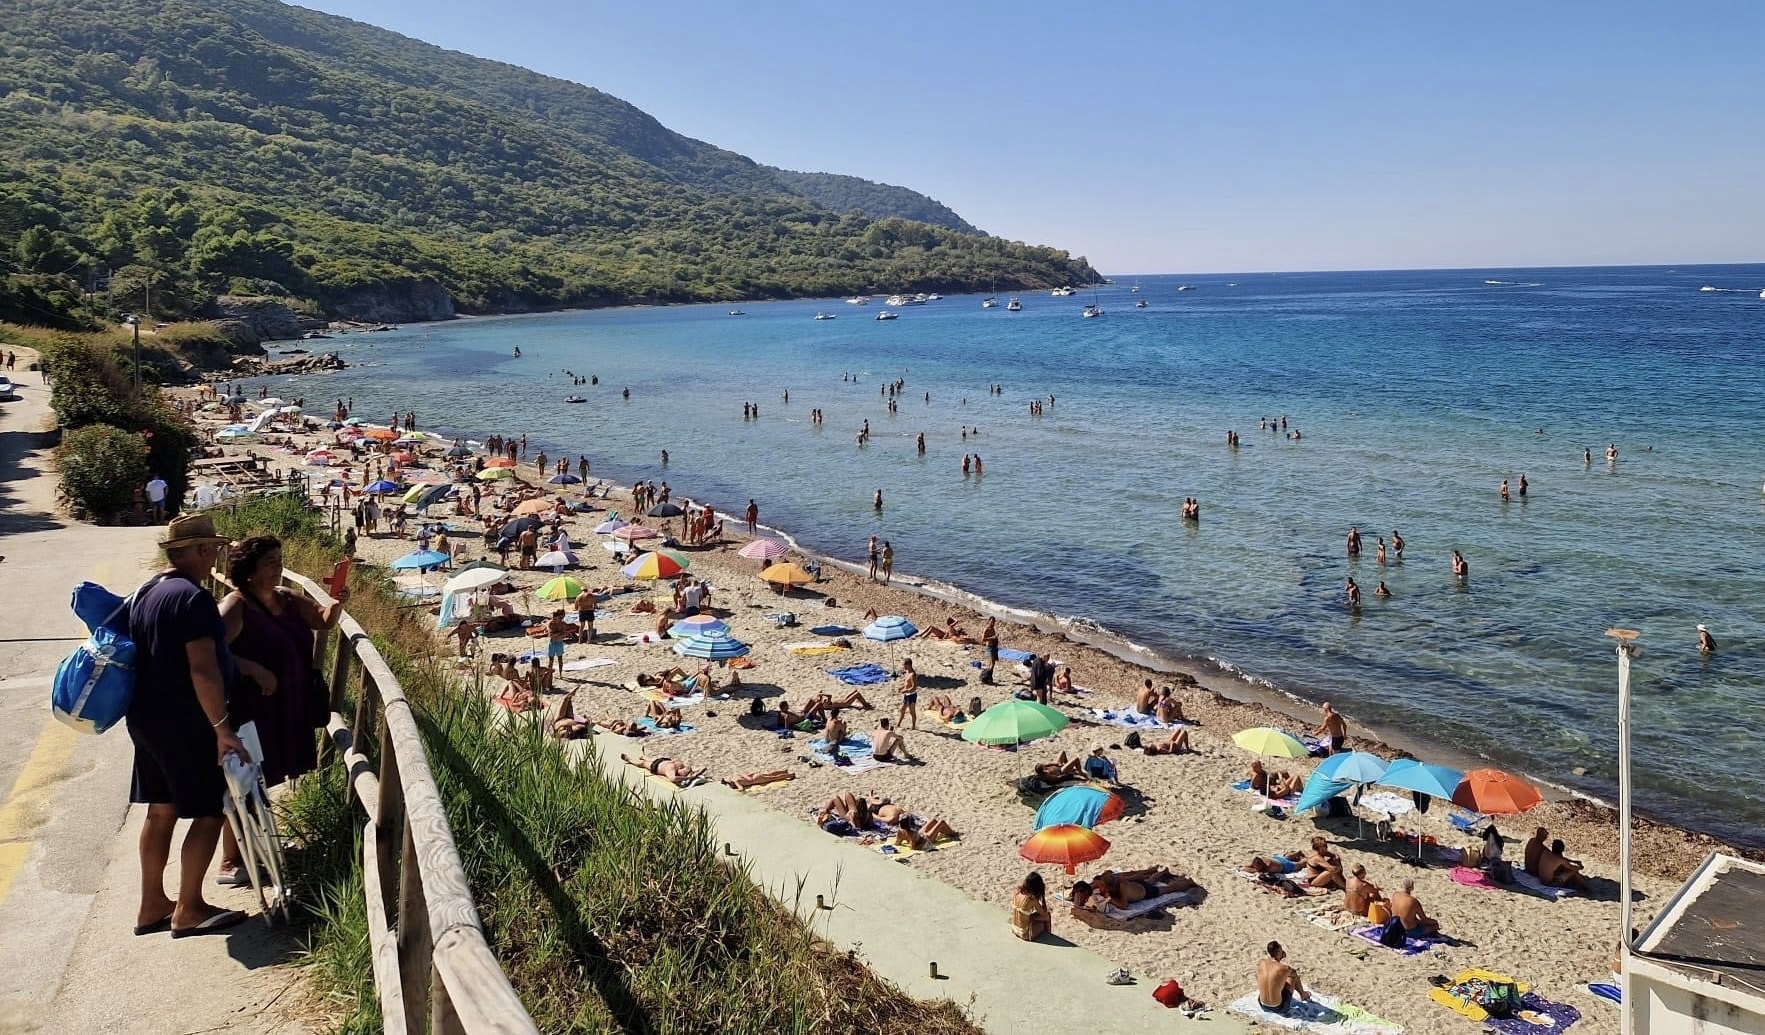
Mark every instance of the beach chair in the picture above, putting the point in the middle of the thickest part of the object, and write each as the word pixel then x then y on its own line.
pixel 248 812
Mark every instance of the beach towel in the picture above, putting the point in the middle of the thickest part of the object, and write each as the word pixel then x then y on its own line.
pixel 902 853
pixel 1335 918
pixel 1007 654
pixel 1280 885
pixel 867 674
pixel 669 785
pixel 809 650
pixel 584 664
pixel 650 724
pixel 1467 821
pixel 860 756
pixel 1524 883
pixel 1468 990
pixel 660 697
pixel 1605 990
pixel 1411 946
pixel 1536 1016
pixel 1391 804
pixel 1323 1013
pixel 1132 719
pixel 759 787
pixel 1134 910
pixel 832 630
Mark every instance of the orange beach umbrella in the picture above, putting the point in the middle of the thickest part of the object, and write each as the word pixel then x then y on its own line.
pixel 1495 793
pixel 499 461
pixel 381 434
pixel 786 574
pixel 1065 844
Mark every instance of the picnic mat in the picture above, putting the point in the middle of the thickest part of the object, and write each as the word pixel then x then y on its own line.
pixel 1524 883
pixel 584 664
pixel 860 756
pixel 1323 1013
pixel 1537 1015
pixel 867 674
pixel 1369 933
pixel 650 724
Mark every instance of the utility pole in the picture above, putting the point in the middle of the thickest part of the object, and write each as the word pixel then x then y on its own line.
pixel 1626 651
pixel 135 325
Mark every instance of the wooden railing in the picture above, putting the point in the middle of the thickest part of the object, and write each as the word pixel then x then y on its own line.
pixel 433 970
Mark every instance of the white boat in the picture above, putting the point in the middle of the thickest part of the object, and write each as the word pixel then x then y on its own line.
pixel 1061 292
pixel 898 301
pixel 737 312
pixel 1014 306
pixel 1185 287
pixel 1093 310
pixel 575 399
pixel 858 300
pixel 1141 304
pixel 1707 287
pixel 934 297
pixel 826 316
pixel 1135 289
pixel 989 302
pixel 886 315
pixel 1762 294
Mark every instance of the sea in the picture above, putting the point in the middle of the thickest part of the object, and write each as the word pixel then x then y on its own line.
pixel 1388 402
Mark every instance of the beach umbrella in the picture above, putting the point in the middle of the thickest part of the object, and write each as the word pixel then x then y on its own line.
pixel 1353 767
pixel 492 474
pixel 1014 722
pixel 635 533
pixel 271 403
pixel 711 646
pixel 356 422
pixel 1270 743
pixel 785 575
pixel 234 400
pixel 696 625
pixel 561 588
pixel 1079 805
pixel 460 452
pixel 421 560
pixel 319 459
pixel 234 435
pixel 381 434
pixel 1410 775
pixel 664 510
pixel 763 550
pixel 483 564
pixel 889 628
pixel 290 410
pixel 556 560
pixel 655 565
pixel 414 436
pixel 499 461
pixel 533 507
pixel 381 487
pixel 1319 788
pixel 1495 793
pixel 1066 845
pixel 473 578
pixel 609 526
pixel 414 493
pixel 405 458
pixel 563 479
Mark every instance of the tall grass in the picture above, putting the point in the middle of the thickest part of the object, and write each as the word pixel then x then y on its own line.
pixel 609 912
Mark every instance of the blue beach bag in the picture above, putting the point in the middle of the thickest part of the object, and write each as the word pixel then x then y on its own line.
pixel 96 682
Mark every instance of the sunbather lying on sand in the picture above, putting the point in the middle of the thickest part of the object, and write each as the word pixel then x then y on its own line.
pixel 1275 785
pixel 788 718
pixel 1175 744
pixel 743 782
pixel 1061 769
pixel 829 703
pixel 845 813
pixel 1278 865
pixel 621 727
pixel 666 718
pixel 677 773
pixel 677 682
pixel 909 834
pixel 1124 888
pixel 944 707
pixel 949 631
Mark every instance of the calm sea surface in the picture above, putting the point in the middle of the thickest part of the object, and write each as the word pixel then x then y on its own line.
pixel 1416 392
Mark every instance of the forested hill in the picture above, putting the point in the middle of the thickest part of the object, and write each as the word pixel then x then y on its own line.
pixel 260 148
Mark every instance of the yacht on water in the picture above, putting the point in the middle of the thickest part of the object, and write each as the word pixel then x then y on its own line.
pixel 1061 292
pixel 989 302
pixel 886 315
pixel 1093 310
pixel 933 297
pixel 1141 304
pixel 1014 306
pixel 1707 287
pixel 826 316
pixel 737 312
pixel 1185 287
pixel 858 300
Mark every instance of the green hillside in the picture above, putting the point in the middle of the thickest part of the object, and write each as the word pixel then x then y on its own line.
pixel 260 148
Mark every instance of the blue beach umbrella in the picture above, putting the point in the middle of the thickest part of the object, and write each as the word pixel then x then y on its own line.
pixel 1353 767
pixel 1411 775
pixel 422 560
pixel 563 479
pixel 697 625
pixel 1319 788
pixel 888 629
pixel 711 646
pixel 1080 806
pixel 381 487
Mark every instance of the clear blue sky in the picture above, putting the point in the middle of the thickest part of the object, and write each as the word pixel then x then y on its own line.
pixel 1211 137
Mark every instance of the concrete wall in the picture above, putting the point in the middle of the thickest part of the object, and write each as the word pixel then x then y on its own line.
pixel 1664 1006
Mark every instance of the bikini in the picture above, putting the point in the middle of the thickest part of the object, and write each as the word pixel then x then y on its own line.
pixel 656 763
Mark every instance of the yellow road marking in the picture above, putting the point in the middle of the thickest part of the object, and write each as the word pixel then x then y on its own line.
pixel 21 813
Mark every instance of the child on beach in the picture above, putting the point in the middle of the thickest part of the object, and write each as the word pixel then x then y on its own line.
pixel 909 694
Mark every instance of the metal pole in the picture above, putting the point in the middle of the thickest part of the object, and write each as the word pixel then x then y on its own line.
pixel 1626 651
pixel 136 325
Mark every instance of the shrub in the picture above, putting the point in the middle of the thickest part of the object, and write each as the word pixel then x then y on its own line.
pixel 101 467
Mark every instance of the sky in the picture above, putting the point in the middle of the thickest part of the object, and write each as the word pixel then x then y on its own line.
pixel 1186 137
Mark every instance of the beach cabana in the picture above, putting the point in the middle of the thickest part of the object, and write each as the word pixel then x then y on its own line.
pixel 1079 805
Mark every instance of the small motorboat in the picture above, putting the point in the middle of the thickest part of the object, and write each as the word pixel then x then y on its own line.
pixel 575 399
pixel 1185 287
pixel 737 312
pixel 1014 306
pixel 886 315
pixel 1141 304
pixel 989 302
pixel 826 316
pixel 1093 310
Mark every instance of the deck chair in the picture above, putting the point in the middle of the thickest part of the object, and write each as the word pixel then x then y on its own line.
pixel 248 812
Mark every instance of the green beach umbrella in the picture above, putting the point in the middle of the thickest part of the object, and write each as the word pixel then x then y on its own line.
pixel 1014 722
pixel 561 588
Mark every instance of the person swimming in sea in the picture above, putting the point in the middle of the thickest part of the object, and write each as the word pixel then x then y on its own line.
pixel 1382 593
pixel 1397 545
pixel 1460 569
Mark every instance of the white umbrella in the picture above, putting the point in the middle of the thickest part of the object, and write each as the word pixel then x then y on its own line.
pixel 477 578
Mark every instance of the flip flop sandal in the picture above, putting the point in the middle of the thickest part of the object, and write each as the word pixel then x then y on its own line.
pixel 162 924
pixel 236 878
pixel 213 925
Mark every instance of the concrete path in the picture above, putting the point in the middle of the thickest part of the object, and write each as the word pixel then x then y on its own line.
pixel 69 881
pixel 901 922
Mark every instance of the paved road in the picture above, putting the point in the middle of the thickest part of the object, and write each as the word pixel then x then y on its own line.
pixel 68 877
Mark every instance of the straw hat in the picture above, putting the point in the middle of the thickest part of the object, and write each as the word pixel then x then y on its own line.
pixel 190 530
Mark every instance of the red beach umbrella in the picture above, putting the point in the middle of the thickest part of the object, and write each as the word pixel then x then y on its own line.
pixel 1065 844
pixel 1495 793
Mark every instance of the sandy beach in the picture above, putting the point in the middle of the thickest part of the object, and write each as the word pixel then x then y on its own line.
pixel 1183 811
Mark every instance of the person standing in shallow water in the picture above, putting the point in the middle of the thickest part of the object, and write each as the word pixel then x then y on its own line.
pixel 1354 541
pixel 1460 569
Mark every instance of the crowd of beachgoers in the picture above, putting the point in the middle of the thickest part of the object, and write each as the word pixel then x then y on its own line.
pixel 864 736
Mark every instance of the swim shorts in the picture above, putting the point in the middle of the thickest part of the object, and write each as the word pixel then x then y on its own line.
pixel 554 649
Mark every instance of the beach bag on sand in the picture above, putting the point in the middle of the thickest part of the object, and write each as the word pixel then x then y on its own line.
pixel 1391 935
pixel 95 684
pixel 1503 1000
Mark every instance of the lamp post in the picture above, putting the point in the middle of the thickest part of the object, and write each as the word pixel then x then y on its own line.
pixel 1626 651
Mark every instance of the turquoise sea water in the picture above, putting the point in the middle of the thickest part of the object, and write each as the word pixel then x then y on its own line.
pixel 1417 393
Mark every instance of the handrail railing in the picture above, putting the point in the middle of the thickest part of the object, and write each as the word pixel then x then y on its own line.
pixel 433 970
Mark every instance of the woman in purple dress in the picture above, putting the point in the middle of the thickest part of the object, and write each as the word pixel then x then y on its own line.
pixel 270 632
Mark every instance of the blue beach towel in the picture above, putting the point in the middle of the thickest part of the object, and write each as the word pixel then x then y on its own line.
pixel 1132 719
pixel 650 724
pixel 832 630
pixel 867 674
pixel 1607 991
pixel 1007 654
pixel 1411 946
